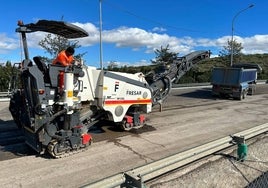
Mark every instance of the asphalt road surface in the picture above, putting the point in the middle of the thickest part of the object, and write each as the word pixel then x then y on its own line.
pixel 190 117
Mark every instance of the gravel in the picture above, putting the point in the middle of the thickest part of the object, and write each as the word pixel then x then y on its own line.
pixel 223 172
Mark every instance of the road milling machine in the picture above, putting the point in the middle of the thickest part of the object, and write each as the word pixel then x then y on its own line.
pixel 56 105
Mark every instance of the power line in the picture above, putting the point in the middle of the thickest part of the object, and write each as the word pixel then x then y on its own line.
pixel 120 8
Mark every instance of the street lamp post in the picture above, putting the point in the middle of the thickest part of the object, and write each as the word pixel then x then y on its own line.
pixel 232 40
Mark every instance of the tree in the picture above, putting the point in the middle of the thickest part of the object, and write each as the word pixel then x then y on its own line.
pixel 53 44
pixel 112 65
pixel 5 74
pixel 225 53
pixel 163 55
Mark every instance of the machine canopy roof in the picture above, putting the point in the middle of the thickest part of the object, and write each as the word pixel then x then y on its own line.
pixel 61 28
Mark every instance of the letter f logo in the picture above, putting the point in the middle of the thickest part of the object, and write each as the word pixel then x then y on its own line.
pixel 116 86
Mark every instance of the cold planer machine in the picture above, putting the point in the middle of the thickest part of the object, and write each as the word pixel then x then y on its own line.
pixel 55 105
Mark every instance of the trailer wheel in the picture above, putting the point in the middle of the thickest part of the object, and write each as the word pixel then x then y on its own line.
pixel 252 89
pixel 245 92
pixel 242 95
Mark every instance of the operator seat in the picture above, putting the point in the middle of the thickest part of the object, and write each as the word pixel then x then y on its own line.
pixel 42 67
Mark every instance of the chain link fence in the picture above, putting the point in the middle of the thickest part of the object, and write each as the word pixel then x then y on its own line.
pixel 259 182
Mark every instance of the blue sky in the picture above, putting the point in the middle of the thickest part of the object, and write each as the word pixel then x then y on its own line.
pixel 132 29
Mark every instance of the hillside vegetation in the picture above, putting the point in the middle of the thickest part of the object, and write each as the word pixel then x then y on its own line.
pixel 202 72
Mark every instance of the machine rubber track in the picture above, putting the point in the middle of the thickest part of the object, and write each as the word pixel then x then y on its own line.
pixel 53 144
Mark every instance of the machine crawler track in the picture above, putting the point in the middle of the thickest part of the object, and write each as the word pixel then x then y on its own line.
pixel 52 150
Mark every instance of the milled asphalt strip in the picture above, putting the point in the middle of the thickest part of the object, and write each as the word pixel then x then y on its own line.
pixel 152 170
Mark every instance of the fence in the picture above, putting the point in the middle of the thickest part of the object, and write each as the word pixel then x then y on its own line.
pixel 259 182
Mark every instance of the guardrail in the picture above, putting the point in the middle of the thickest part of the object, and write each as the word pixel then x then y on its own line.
pixel 136 177
pixel 4 96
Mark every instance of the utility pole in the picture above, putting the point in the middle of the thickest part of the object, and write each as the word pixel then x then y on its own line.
pixel 101 64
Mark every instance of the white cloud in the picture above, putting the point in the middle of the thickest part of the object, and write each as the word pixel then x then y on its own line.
pixel 142 62
pixel 159 29
pixel 93 32
pixel 7 43
pixel 144 41
pixel 138 39
pixel 255 44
